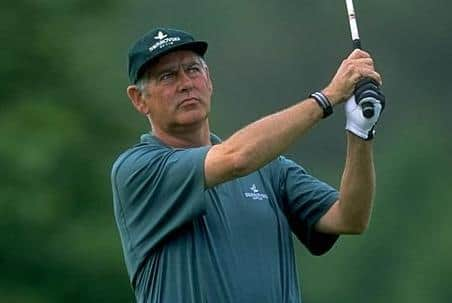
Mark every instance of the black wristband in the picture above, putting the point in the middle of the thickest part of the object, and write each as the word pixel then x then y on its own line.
pixel 323 102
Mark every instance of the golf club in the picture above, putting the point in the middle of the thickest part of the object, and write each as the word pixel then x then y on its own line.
pixel 367 99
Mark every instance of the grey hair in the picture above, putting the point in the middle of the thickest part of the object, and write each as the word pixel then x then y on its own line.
pixel 144 79
pixel 141 83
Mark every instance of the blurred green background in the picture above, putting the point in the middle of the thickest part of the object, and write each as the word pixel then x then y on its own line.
pixel 64 118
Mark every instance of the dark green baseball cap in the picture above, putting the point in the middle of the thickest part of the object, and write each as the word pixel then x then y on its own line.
pixel 158 42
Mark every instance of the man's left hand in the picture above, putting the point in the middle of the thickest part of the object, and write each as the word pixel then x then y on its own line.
pixel 356 122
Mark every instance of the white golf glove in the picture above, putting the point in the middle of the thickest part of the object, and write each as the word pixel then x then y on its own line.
pixel 356 122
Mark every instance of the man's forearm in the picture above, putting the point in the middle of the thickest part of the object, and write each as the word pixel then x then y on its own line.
pixel 263 140
pixel 357 184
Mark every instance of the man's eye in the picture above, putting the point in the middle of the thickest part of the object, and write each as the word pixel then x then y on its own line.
pixel 194 69
pixel 166 76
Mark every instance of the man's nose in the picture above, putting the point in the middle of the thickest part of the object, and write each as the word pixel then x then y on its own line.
pixel 185 82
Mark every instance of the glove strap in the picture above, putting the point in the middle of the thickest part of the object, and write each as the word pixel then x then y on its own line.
pixel 323 102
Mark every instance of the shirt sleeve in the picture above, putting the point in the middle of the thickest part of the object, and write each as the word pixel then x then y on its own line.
pixel 305 200
pixel 156 191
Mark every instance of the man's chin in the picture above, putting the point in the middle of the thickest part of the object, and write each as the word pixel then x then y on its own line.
pixel 191 118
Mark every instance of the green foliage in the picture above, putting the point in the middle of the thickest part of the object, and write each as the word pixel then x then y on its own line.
pixel 64 118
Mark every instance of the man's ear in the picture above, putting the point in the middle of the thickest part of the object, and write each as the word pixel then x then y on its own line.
pixel 136 96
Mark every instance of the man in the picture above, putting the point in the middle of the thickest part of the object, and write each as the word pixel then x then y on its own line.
pixel 205 220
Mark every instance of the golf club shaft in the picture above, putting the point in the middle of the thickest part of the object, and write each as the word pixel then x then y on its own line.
pixel 367 107
pixel 353 25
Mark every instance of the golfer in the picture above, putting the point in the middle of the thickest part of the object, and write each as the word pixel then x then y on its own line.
pixel 205 219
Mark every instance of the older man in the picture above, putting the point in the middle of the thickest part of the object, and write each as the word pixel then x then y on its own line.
pixel 206 220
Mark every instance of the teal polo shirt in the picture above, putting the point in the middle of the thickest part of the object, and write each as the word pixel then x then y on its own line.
pixel 229 243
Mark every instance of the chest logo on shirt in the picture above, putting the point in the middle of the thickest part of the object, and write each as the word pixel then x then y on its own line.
pixel 255 194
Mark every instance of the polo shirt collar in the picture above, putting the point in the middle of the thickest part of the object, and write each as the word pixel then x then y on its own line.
pixel 150 138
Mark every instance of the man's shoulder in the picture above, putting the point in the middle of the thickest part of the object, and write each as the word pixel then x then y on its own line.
pixel 281 168
pixel 150 155
pixel 137 155
pixel 283 163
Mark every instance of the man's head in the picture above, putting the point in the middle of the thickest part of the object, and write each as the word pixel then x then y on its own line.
pixel 157 43
pixel 170 81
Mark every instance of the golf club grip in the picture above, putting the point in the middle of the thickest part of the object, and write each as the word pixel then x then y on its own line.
pixel 357 44
pixel 366 95
pixel 368 107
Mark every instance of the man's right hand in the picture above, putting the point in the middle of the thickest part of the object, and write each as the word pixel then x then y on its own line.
pixel 356 66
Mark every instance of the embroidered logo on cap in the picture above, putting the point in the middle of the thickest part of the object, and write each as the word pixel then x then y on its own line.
pixel 164 41
pixel 160 36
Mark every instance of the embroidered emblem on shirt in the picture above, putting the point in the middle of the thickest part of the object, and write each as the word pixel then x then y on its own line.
pixel 255 194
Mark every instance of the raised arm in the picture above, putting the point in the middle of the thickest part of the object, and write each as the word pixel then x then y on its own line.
pixel 260 142
pixel 351 213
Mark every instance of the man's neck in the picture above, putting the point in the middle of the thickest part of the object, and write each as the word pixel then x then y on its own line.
pixel 188 137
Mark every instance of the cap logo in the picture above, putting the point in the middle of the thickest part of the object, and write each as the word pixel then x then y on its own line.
pixel 163 41
pixel 160 36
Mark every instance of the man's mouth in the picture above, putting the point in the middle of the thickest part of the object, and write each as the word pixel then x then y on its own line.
pixel 189 101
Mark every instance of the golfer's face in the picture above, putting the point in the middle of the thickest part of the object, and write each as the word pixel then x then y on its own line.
pixel 179 91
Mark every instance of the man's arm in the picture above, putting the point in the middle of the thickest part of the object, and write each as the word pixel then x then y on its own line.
pixel 262 141
pixel 351 213
pixel 259 143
